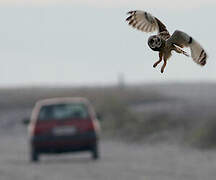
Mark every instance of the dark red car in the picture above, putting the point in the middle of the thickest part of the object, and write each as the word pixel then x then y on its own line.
pixel 62 125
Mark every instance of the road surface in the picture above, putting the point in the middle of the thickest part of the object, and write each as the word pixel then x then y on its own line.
pixel 119 161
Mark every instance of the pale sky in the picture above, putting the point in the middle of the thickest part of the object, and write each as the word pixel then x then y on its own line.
pixel 87 42
pixel 112 3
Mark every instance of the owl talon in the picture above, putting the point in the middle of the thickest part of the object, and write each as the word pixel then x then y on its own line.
pixel 163 67
pixel 155 64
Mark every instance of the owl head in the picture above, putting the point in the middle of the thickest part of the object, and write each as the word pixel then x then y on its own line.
pixel 156 43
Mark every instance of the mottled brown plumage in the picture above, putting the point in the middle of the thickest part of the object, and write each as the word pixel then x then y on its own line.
pixel 163 41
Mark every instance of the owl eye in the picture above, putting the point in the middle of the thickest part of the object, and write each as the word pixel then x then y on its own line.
pixel 151 41
pixel 158 39
pixel 158 42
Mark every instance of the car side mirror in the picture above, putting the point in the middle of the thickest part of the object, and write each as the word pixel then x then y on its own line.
pixel 99 116
pixel 26 121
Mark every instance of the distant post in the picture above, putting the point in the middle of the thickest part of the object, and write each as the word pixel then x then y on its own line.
pixel 121 81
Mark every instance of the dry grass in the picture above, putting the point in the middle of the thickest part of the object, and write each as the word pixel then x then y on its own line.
pixel 187 124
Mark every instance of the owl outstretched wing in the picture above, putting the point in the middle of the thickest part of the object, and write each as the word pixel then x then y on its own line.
pixel 145 22
pixel 182 39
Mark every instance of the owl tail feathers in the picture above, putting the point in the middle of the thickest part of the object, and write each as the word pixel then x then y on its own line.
pixel 198 54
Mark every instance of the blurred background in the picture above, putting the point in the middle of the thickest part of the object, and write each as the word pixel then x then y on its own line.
pixel 163 124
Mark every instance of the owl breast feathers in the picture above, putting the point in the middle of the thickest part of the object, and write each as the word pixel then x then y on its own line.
pixel 163 42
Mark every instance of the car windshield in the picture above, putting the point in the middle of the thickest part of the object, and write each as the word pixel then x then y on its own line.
pixel 63 111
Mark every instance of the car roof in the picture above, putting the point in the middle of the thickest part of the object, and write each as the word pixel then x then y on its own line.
pixel 59 100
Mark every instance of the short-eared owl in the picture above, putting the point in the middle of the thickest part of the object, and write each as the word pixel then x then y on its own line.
pixel 163 41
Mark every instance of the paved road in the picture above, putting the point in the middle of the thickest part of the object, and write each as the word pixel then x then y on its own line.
pixel 119 161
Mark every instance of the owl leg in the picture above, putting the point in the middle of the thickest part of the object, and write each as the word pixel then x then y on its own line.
pixel 164 65
pixel 160 59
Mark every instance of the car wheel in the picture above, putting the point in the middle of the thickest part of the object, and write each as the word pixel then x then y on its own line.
pixel 34 155
pixel 95 152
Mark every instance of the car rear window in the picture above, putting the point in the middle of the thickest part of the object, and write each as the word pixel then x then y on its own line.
pixel 63 111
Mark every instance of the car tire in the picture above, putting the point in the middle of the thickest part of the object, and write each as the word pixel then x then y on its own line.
pixel 34 155
pixel 95 152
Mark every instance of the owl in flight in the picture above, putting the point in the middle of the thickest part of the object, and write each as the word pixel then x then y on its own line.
pixel 163 41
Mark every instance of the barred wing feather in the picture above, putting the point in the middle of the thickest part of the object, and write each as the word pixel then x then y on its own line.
pixel 182 39
pixel 145 22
